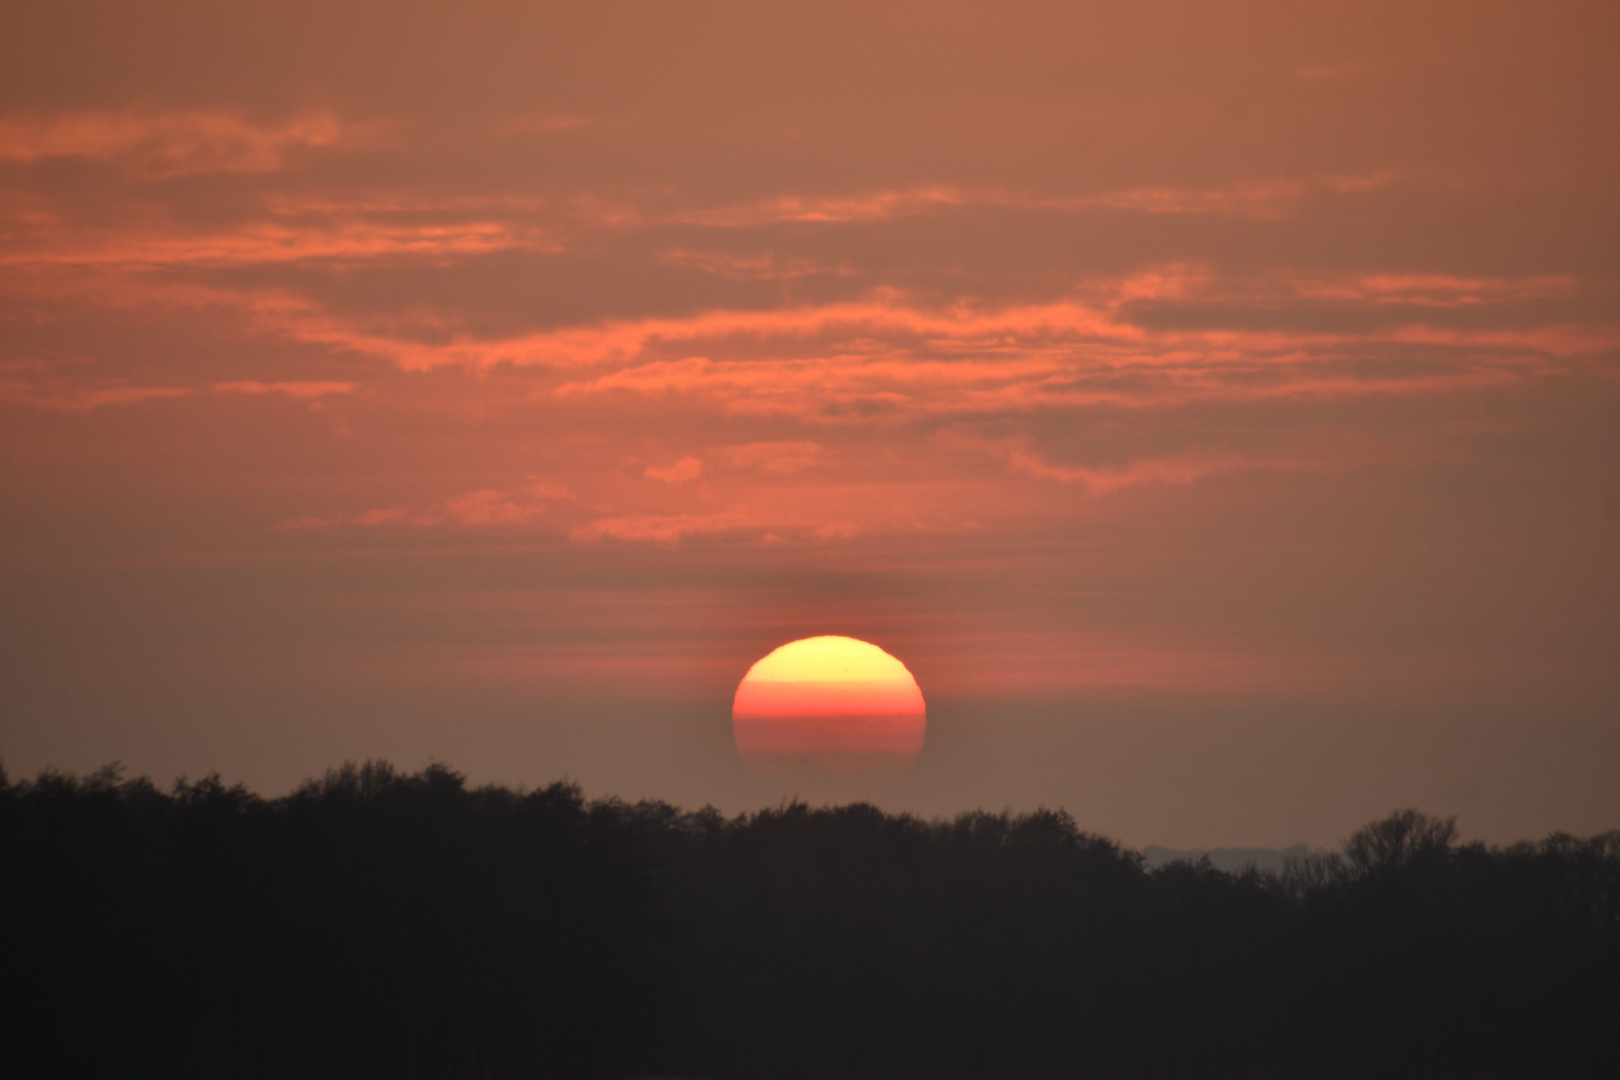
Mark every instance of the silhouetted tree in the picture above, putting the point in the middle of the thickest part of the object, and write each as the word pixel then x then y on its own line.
pixel 1399 840
pixel 374 923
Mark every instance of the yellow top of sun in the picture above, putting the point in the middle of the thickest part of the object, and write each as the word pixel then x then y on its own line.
pixel 829 658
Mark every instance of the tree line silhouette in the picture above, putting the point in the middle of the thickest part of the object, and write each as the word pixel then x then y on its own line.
pixel 380 924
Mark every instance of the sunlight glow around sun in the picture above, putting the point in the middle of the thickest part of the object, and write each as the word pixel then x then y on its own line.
pixel 829 702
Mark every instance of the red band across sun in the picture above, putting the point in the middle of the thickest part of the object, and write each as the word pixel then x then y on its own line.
pixel 831 702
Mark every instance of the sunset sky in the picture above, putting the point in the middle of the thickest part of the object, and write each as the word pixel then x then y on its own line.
pixel 1216 406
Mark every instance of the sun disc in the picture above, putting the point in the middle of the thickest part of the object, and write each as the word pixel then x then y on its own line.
pixel 834 703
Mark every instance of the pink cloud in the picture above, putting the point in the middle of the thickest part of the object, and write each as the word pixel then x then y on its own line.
pixel 480 509
pixel 486 508
pixel 670 529
pixel 890 358
pixel 1264 199
pixel 158 145
pixel 885 315
pixel 762 267
pixel 662 528
pixel 58 396
pixel 1437 290
pixel 264 243
pixel 1099 481
pixel 307 390
pixel 831 508
pixel 872 206
pixel 541 487
pixel 390 515
pixel 687 468
pixel 847 361
pixel 774 458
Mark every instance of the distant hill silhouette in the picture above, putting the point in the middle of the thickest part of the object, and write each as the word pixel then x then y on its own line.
pixel 1229 860
pixel 379 924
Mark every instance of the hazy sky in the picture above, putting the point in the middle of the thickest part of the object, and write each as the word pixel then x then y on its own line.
pixel 1215 405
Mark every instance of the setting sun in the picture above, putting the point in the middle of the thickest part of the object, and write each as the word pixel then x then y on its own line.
pixel 832 702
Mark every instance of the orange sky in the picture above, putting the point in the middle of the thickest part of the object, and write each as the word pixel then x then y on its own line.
pixel 1215 405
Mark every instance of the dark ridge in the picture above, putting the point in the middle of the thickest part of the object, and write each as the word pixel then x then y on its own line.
pixel 1231 860
pixel 380 924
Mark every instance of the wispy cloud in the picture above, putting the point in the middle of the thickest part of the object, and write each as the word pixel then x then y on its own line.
pixel 774 458
pixel 1438 290
pixel 306 390
pixel 1262 199
pixel 261 243
pixel 1098 481
pixel 687 468
pixel 159 145
pixel 670 529
pixel 894 357
pixel 61 396
pixel 483 508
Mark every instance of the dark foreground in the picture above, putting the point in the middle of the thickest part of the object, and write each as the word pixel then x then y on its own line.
pixel 379 925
